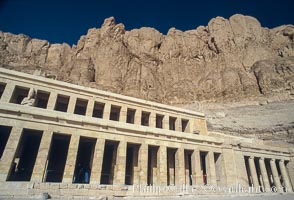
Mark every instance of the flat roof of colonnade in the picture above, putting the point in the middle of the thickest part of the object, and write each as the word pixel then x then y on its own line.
pixel 107 95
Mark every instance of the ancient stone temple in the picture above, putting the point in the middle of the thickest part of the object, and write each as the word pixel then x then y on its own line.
pixel 68 140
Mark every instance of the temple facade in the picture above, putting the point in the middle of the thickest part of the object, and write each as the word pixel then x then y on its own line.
pixel 70 140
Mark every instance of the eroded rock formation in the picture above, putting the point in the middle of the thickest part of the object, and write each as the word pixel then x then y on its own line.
pixel 228 59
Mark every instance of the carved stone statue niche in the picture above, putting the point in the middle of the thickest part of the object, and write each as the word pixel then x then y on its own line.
pixel 30 99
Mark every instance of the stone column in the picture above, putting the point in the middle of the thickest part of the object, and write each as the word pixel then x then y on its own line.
pixel 162 161
pixel 97 162
pixel 90 108
pixel 52 101
pixel 8 92
pixel 180 166
pixel 190 126
pixel 179 124
pixel 154 179
pixel 211 169
pixel 71 159
pixel 143 162
pixel 9 152
pixel 42 157
pixel 264 175
pixel 171 166
pixel 197 174
pixel 276 177
pixel 123 114
pixel 165 122
pixel 120 166
pixel 71 104
pixel 136 166
pixel 152 119
pixel 285 176
pixel 253 172
pixel 138 115
pixel 107 108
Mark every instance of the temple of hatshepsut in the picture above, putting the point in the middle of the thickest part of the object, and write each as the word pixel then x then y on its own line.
pixel 68 141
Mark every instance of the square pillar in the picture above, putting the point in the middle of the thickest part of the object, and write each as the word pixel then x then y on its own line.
pixel 253 172
pixel 197 173
pixel 290 167
pixel 171 165
pixel 165 122
pixel 90 108
pixel 264 175
pixel 154 179
pixel 180 167
pixel 138 116
pixel 71 104
pixel 285 176
pixel 143 163
pixel 276 177
pixel 162 161
pixel 9 152
pixel 190 126
pixel 106 114
pixel 71 159
pixel 179 124
pixel 52 101
pixel 123 114
pixel 211 169
pixel 97 162
pixel 120 166
pixel 42 157
pixel 152 120
pixel 8 91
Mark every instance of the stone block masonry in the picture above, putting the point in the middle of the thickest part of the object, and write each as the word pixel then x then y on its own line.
pixel 76 141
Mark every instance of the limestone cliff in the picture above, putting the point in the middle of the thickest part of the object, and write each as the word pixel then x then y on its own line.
pixel 231 60
pixel 228 59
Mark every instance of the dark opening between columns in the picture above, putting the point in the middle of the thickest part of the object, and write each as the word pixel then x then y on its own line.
pixel 258 171
pixel 152 165
pixel 2 88
pixel 84 160
pixel 131 162
pixel 172 123
pixel 249 177
pixel 188 167
pixel 4 135
pixel 145 118
pixel 42 98
pixel 159 121
pixel 61 103
pixel 19 93
pixel 114 113
pixel 109 162
pixel 25 157
pixel 98 110
pixel 57 158
pixel 131 116
pixel 269 172
pixel 203 158
pixel 81 106
pixel 171 166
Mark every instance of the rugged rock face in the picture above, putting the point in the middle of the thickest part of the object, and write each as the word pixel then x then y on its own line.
pixel 232 69
pixel 232 58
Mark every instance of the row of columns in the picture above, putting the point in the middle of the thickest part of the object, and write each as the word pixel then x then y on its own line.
pixel 265 184
pixel 8 92
pixel 140 171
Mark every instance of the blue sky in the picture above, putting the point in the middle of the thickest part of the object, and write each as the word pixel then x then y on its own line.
pixel 66 20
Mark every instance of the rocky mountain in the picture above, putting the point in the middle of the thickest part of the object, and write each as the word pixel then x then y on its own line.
pixel 229 60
